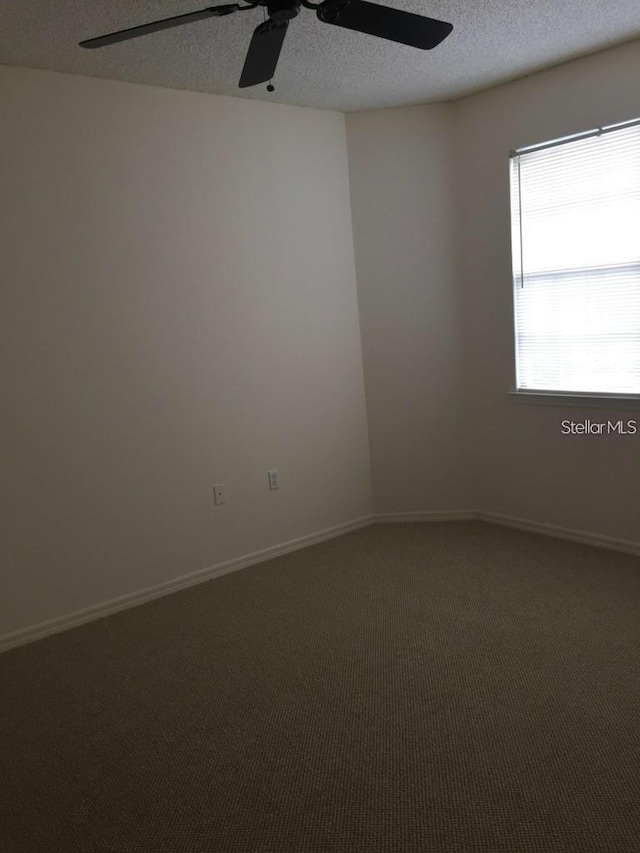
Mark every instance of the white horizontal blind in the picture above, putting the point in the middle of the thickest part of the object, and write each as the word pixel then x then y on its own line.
pixel 576 262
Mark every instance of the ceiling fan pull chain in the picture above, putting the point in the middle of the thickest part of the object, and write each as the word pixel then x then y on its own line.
pixel 270 87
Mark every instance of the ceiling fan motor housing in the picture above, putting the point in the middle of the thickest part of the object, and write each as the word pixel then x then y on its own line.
pixel 329 10
pixel 283 10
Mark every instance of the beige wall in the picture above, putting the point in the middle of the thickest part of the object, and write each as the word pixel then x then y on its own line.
pixel 402 171
pixel 430 201
pixel 178 308
pixel 526 467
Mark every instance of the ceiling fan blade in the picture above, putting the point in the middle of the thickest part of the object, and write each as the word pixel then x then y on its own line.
pixel 384 22
pixel 156 26
pixel 263 53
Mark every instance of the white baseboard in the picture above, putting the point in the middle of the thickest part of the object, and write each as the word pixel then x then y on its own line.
pixel 428 515
pixel 541 527
pixel 124 602
pixel 558 532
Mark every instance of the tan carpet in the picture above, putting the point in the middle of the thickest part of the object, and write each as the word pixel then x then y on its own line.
pixel 446 688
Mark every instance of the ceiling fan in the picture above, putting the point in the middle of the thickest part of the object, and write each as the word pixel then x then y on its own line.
pixel 268 37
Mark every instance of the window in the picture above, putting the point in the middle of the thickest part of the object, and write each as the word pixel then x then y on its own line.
pixel 575 213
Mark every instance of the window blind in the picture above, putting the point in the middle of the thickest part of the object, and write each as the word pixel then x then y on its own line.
pixel 576 263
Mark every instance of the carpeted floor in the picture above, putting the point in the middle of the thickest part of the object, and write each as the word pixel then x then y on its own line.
pixel 435 688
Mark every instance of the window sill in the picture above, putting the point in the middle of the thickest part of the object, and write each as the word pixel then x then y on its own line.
pixel 615 402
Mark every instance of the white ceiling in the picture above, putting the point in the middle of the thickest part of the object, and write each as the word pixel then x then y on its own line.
pixel 320 65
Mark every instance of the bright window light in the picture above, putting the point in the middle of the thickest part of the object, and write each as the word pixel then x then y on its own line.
pixel 576 262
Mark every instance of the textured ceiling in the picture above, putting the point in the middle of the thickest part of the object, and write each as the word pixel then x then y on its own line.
pixel 320 65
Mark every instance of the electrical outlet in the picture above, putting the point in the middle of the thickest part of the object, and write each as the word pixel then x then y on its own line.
pixel 219 495
pixel 274 479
